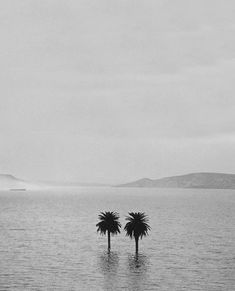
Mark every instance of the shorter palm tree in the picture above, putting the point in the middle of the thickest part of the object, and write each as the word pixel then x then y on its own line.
pixel 108 223
pixel 137 227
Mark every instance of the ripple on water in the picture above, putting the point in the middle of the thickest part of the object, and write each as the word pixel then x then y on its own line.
pixel 49 241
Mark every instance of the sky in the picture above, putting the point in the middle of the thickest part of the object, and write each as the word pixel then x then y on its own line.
pixel 115 90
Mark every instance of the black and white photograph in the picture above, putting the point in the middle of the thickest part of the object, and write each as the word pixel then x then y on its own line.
pixel 117 145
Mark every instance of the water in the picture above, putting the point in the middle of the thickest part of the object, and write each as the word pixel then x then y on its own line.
pixel 48 240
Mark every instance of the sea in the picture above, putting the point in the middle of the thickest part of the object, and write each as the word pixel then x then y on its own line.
pixel 49 241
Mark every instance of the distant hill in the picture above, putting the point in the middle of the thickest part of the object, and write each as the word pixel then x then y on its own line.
pixel 194 180
pixel 9 182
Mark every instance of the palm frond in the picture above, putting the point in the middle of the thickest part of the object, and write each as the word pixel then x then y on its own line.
pixel 109 221
pixel 137 225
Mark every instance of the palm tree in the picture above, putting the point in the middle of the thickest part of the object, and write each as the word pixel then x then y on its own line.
pixel 108 223
pixel 137 227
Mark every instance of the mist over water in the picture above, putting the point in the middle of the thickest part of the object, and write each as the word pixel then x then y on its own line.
pixel 49 240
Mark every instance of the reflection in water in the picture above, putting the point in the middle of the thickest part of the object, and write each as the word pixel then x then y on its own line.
pixel 138 270
pixel 108 265
pixel 137 261
pixel 108 262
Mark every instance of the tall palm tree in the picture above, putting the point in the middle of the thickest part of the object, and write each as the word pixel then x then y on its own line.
pixel 108 223
pixel 137 227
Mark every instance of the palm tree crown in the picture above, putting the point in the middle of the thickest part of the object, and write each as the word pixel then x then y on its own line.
pixel 137 226
pixel 108 223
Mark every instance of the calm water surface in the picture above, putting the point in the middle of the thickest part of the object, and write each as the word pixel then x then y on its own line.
pixel 49 240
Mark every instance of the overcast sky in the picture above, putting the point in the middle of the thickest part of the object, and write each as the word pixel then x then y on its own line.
pixel 116 90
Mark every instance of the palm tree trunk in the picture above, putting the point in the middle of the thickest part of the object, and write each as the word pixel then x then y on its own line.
pixel 136 244
pixel 109 244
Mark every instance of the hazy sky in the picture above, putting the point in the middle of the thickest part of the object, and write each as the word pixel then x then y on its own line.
pixel 115 90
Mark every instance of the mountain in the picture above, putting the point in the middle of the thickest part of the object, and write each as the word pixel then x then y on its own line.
pixel 9 182
pixel 193 180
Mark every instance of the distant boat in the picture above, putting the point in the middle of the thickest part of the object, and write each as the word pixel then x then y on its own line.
pixel 19 189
